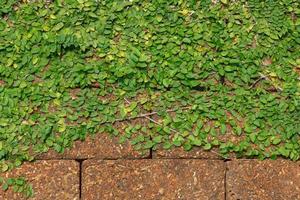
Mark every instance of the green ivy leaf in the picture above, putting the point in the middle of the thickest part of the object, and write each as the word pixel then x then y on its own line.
pixel 58 26
pixel 207 146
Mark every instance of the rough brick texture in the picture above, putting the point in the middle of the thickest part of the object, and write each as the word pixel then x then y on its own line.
pixel 263 180
pixel 153 179
pixel 51 179
pixel 179 152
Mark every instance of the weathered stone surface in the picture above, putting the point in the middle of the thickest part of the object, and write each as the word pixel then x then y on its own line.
pixel 101 147
pixel 179 152
pixel 51 179
pixel 153 179
pixel 263 180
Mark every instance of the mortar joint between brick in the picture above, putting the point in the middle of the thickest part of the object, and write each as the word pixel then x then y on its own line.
pixel 80 161
pixel 225 179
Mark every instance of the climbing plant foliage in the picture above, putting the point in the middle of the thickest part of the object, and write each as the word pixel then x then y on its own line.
pixel 219 75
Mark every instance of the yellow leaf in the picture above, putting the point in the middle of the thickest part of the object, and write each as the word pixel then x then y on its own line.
pixel 184 12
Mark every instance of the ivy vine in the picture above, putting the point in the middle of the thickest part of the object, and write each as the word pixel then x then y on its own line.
pixel 222 75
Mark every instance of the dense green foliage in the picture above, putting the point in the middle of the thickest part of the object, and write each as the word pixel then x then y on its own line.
pixel 221 75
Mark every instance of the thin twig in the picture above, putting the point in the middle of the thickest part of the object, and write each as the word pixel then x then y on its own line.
pixel 146 115
pixel 264 77
pixel 156 122
pixel 127 101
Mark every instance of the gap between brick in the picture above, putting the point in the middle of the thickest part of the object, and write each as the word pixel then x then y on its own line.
pixel 80 161
pixel 225 177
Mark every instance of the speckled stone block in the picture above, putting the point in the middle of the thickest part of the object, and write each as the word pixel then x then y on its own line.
pixel 263 180
pixel 51 179
pixel 102 146
pixel 153 179
pixel 179 152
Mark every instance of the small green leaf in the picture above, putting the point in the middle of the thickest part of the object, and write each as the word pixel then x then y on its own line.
pixel 148 144
pixel 187 40
pixel 62 128
pixel 238 130
pixel 58 26
pixel 229 68
pixel 252 137
pixel 4 186
pixel 207 146
pixel 187 146
pixel 4 167
pixel 132 106
pixel 159 18
pixel 3 122
pixel 167 145
pixel 123 111
pixel 223 128
pixel 197 142
pixel 157 139
pixel 276 141
pixel 167 129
